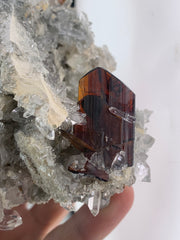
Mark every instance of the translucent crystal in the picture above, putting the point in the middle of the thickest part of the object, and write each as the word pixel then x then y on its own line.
pixel 97 160
pixel 143 142
pixel 17 115
pixel 118 162
pixel 45 130
pixel 94 202
pixel 142 172
pixel 125 116
pixel 11 220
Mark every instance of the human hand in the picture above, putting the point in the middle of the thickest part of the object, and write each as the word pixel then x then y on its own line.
pixel 42 221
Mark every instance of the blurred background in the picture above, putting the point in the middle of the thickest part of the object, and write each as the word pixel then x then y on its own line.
pixel 144 38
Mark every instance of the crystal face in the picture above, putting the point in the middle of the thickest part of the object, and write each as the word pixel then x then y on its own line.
pixel 110 115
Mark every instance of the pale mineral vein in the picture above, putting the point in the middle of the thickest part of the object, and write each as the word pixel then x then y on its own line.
pixel 29 81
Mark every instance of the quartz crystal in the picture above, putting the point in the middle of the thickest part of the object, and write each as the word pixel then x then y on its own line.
pixel 94 202
pixel 46 47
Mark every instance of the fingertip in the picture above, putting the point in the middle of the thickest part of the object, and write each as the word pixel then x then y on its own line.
pixel 125 199
pixel 119 206
pixel 21 209
pixel 85 226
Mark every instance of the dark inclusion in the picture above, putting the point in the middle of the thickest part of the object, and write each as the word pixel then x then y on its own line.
pixel 105 131
pixel 93 106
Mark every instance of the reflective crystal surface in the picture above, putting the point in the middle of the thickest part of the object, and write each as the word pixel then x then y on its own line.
pixel 94 202
pixel 110 121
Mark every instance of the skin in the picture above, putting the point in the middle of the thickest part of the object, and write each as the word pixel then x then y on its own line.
pixel 42 221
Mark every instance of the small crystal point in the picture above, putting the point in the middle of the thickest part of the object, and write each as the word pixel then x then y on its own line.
pixel 119 161
pixel 45 130
pixel 94 202
pixel 11 220
pixel 120 114
pixel 142 172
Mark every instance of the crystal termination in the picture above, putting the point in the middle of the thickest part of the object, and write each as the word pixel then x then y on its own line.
pixel 106 131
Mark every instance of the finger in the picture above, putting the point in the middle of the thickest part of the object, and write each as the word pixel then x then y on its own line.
pixel 48 215
pixel 21 209
pixel 85 226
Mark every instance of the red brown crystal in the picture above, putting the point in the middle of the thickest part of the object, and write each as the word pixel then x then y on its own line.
pixel 110 109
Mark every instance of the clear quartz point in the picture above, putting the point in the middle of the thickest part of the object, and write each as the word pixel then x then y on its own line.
pixel 118 162
pixel 120 114
pixel 94 202
pixel 11 220
pixel 45 130
pixel 142 172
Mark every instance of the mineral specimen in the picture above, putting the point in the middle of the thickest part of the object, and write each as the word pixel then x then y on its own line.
pixel 110 121
pixel 46 47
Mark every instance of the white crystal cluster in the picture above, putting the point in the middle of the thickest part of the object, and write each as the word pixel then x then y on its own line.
pixel 45 48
